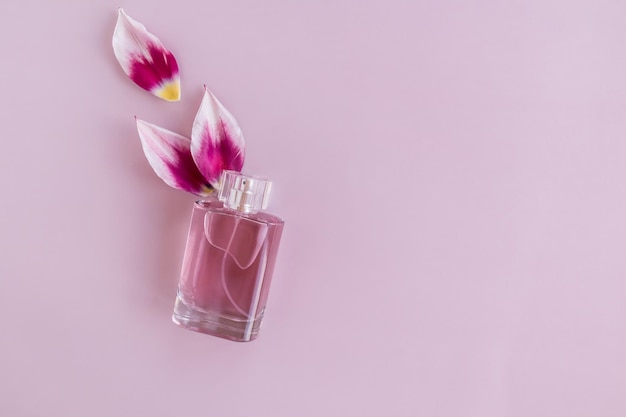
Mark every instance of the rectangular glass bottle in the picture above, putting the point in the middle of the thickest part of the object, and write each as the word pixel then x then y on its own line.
pixel 229 260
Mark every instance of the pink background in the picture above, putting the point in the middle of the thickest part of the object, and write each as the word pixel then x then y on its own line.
pixel 452 175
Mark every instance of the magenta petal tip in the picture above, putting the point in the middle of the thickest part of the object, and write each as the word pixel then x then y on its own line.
pixel 169 155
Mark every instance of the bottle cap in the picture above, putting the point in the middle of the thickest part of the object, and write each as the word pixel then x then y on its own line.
pixel 244 193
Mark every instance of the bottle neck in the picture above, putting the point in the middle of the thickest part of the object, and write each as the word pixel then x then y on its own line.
pixel 239 206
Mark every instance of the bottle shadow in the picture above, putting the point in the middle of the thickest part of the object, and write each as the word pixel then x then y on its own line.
pixel 173 226
pixel 160 222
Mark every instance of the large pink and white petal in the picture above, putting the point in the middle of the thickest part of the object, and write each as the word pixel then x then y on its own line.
pixel 144 59
pixel 169 155
pixel 217 142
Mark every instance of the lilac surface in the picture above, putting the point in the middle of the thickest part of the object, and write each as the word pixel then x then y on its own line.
pixel 452 176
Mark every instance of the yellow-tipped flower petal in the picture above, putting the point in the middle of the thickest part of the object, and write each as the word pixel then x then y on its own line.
pixel 144 59
pixel 169 92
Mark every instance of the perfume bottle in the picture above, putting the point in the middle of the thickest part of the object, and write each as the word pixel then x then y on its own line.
pixel 229 260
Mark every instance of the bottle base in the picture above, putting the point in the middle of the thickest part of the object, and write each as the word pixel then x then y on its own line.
pixel 214 324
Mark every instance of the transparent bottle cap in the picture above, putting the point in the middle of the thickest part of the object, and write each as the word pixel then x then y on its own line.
pixel 244 193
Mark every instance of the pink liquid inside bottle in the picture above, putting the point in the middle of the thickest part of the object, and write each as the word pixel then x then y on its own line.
pixel 229 260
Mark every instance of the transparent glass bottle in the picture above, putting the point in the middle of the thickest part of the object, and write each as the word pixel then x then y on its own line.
pixel 229 260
